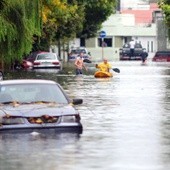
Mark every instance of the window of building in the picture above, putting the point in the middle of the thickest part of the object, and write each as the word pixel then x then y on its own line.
pixel 151 46
pixel 82 42
pixel 107 42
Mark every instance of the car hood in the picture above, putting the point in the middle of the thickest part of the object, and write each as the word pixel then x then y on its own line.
pixel 37 110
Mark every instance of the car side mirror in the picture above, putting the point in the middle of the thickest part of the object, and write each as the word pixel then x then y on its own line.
pixel 77 101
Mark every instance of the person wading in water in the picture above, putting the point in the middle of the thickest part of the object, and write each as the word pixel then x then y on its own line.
pixel 80 64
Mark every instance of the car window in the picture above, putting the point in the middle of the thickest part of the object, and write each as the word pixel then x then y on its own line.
pixel 73 51
pixel 78 51
pixel 48 56
pixel 34 92
pixel 126 46
pixel 162 54
pixel 138 46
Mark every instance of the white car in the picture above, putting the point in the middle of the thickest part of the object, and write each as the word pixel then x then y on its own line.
pixel 47 60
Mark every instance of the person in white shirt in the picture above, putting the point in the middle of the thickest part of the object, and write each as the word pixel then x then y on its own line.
pixel 132 47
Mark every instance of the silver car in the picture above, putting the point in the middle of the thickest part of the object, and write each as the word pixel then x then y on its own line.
pixel 37 105
pixel 47 60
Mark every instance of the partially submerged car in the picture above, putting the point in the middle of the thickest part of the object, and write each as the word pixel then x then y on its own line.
pixel 47 60
pixel 35 105
pixel 75 52
pixel 161 56
pixel 126 55
pixel 27 62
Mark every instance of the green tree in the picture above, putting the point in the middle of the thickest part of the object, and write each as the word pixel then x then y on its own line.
pixel 67 19
pixel 165 6
pixel 96 12
pixel 61 22
pixel 19 22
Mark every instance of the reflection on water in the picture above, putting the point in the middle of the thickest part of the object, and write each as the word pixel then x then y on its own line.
pixel 37 151
pixel 125 118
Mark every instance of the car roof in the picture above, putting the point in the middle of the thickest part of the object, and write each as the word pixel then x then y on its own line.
pixel 127 45
pixel 46 53
pixel 27 81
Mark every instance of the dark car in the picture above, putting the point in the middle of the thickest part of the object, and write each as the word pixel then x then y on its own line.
pixel 37 105
pixel 75 52
pixel 161 56
pixel 125 52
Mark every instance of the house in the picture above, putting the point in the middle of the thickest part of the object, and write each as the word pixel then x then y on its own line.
pixel 144 24
pixel 139 23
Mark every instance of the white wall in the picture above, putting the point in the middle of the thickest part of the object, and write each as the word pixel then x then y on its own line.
pixel 120 19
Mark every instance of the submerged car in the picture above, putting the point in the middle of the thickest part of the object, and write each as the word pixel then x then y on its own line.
pixel 125 52
pixel 47 60
pixel 161 56
pixel 75 52
pixel 27 62
pixel 32 105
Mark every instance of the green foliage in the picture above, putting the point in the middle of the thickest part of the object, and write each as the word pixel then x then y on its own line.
pixel 62 22
pixel 165 6
pixel 96 12
pixel 74 18
pixel 19 21
pixel 40 23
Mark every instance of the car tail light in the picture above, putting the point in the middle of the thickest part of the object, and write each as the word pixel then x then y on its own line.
pixel 36 63
pixel 55 63
pixel 12 120
pixel 71 118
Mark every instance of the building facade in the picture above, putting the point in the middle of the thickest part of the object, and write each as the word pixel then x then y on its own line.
pixel 143 25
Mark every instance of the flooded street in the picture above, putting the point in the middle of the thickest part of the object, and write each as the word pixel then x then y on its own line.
pixel 126 124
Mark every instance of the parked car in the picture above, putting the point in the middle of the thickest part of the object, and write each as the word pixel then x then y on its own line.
pixel 47 60
pixel 37 105
pixel 75 52
pixel 31 57
pixel 125 52
pixel 26 63
pixel 161 56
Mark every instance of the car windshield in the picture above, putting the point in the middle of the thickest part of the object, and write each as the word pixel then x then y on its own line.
pixel 163 54
pixel 29 93
pixel 78 51
pixel 46 56
pixel 138 46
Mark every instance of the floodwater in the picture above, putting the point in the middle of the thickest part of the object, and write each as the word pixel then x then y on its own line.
pixel 126 124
